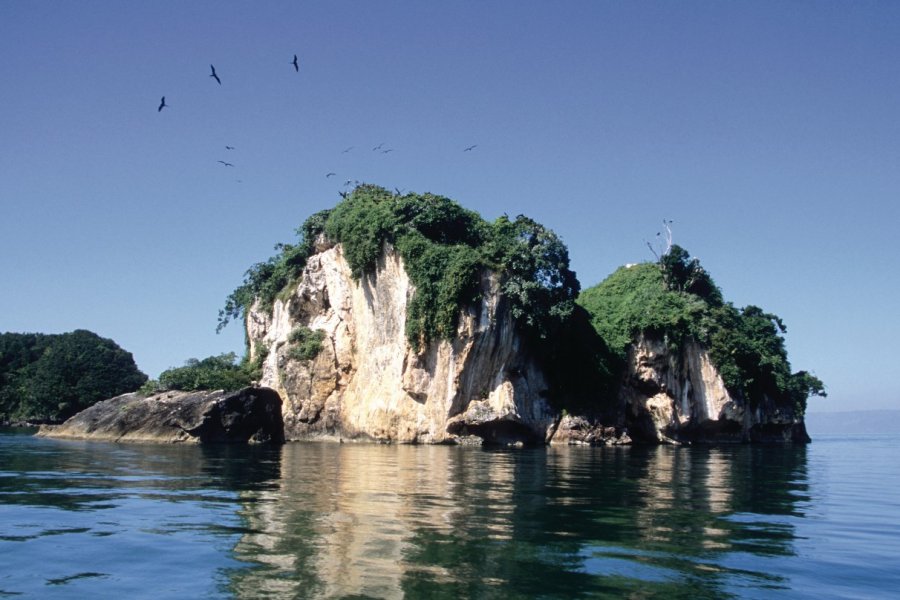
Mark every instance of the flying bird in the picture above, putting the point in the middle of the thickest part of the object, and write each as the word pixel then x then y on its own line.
pixel 162 104
pixel 378 147
pixel 327 175
pixel 229 147
pixel 214 76
pixel 296 64
pixel 470 148
pixel 227 164
pixel 388 150
pixel 346 150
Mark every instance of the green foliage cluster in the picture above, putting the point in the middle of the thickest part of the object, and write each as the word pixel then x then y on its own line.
pixel 305 343
pixel 222 372
pixel 684 274
pixel 263 281
pixel 747 347
pixel 440 244
pixel 635 299
pixel 444 248
pixel 49 378
pixel 676 299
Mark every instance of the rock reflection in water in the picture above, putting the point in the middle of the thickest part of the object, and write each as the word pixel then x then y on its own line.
pixel 345 518
pixel 406 521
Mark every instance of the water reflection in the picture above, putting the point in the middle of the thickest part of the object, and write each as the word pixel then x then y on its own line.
pixel 399 521
pixel 331 520
pixel 93 519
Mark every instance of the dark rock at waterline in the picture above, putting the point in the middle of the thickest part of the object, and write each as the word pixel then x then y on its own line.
pixel 576 430
pixel 247 415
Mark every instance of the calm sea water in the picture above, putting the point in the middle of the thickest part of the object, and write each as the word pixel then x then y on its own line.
pixel 89 519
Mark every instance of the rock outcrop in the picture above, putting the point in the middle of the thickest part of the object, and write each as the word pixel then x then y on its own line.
pixel 679 396
pixel 369 382
pixel 248 415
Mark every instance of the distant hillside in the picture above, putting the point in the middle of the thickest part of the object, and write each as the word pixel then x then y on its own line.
pixel 853 422
pixel 50 377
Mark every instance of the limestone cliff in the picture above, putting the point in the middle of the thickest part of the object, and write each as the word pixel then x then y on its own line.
pixel 678 396
pixel 369 382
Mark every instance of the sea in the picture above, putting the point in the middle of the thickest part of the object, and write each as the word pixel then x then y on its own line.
pixel 327 520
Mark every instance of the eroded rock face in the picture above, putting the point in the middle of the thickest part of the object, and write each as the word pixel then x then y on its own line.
pixel 680 397
pixel 369 382
pixel 248 415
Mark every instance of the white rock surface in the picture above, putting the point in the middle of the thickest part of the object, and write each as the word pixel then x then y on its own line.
pixel 369 382
pixel 680 396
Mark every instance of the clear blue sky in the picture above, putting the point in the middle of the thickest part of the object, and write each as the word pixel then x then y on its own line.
pixel 769 132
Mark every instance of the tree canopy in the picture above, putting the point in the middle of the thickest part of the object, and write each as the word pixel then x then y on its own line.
pixel 48 378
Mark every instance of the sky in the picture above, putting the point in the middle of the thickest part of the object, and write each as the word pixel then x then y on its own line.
pixel 769 132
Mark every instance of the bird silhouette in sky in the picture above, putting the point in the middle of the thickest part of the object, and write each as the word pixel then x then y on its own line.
pixel 332 174
pixel 229 147
pixel 346 150
pixel 378 147
pixel 296 64
pixel 470 148
pixel 388 150
pixel 214 76
pixel 227 164
pixel 162 104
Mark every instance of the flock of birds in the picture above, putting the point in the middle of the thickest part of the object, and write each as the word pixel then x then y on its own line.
pixel 296 63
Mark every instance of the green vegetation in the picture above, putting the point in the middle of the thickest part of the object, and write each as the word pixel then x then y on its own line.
pixel 222 372
pixel 48 378
pixel 676 299
pixel 444 248
pixel 305 343
pixel 263 281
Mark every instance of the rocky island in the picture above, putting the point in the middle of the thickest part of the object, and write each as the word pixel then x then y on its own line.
pixel 407 318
